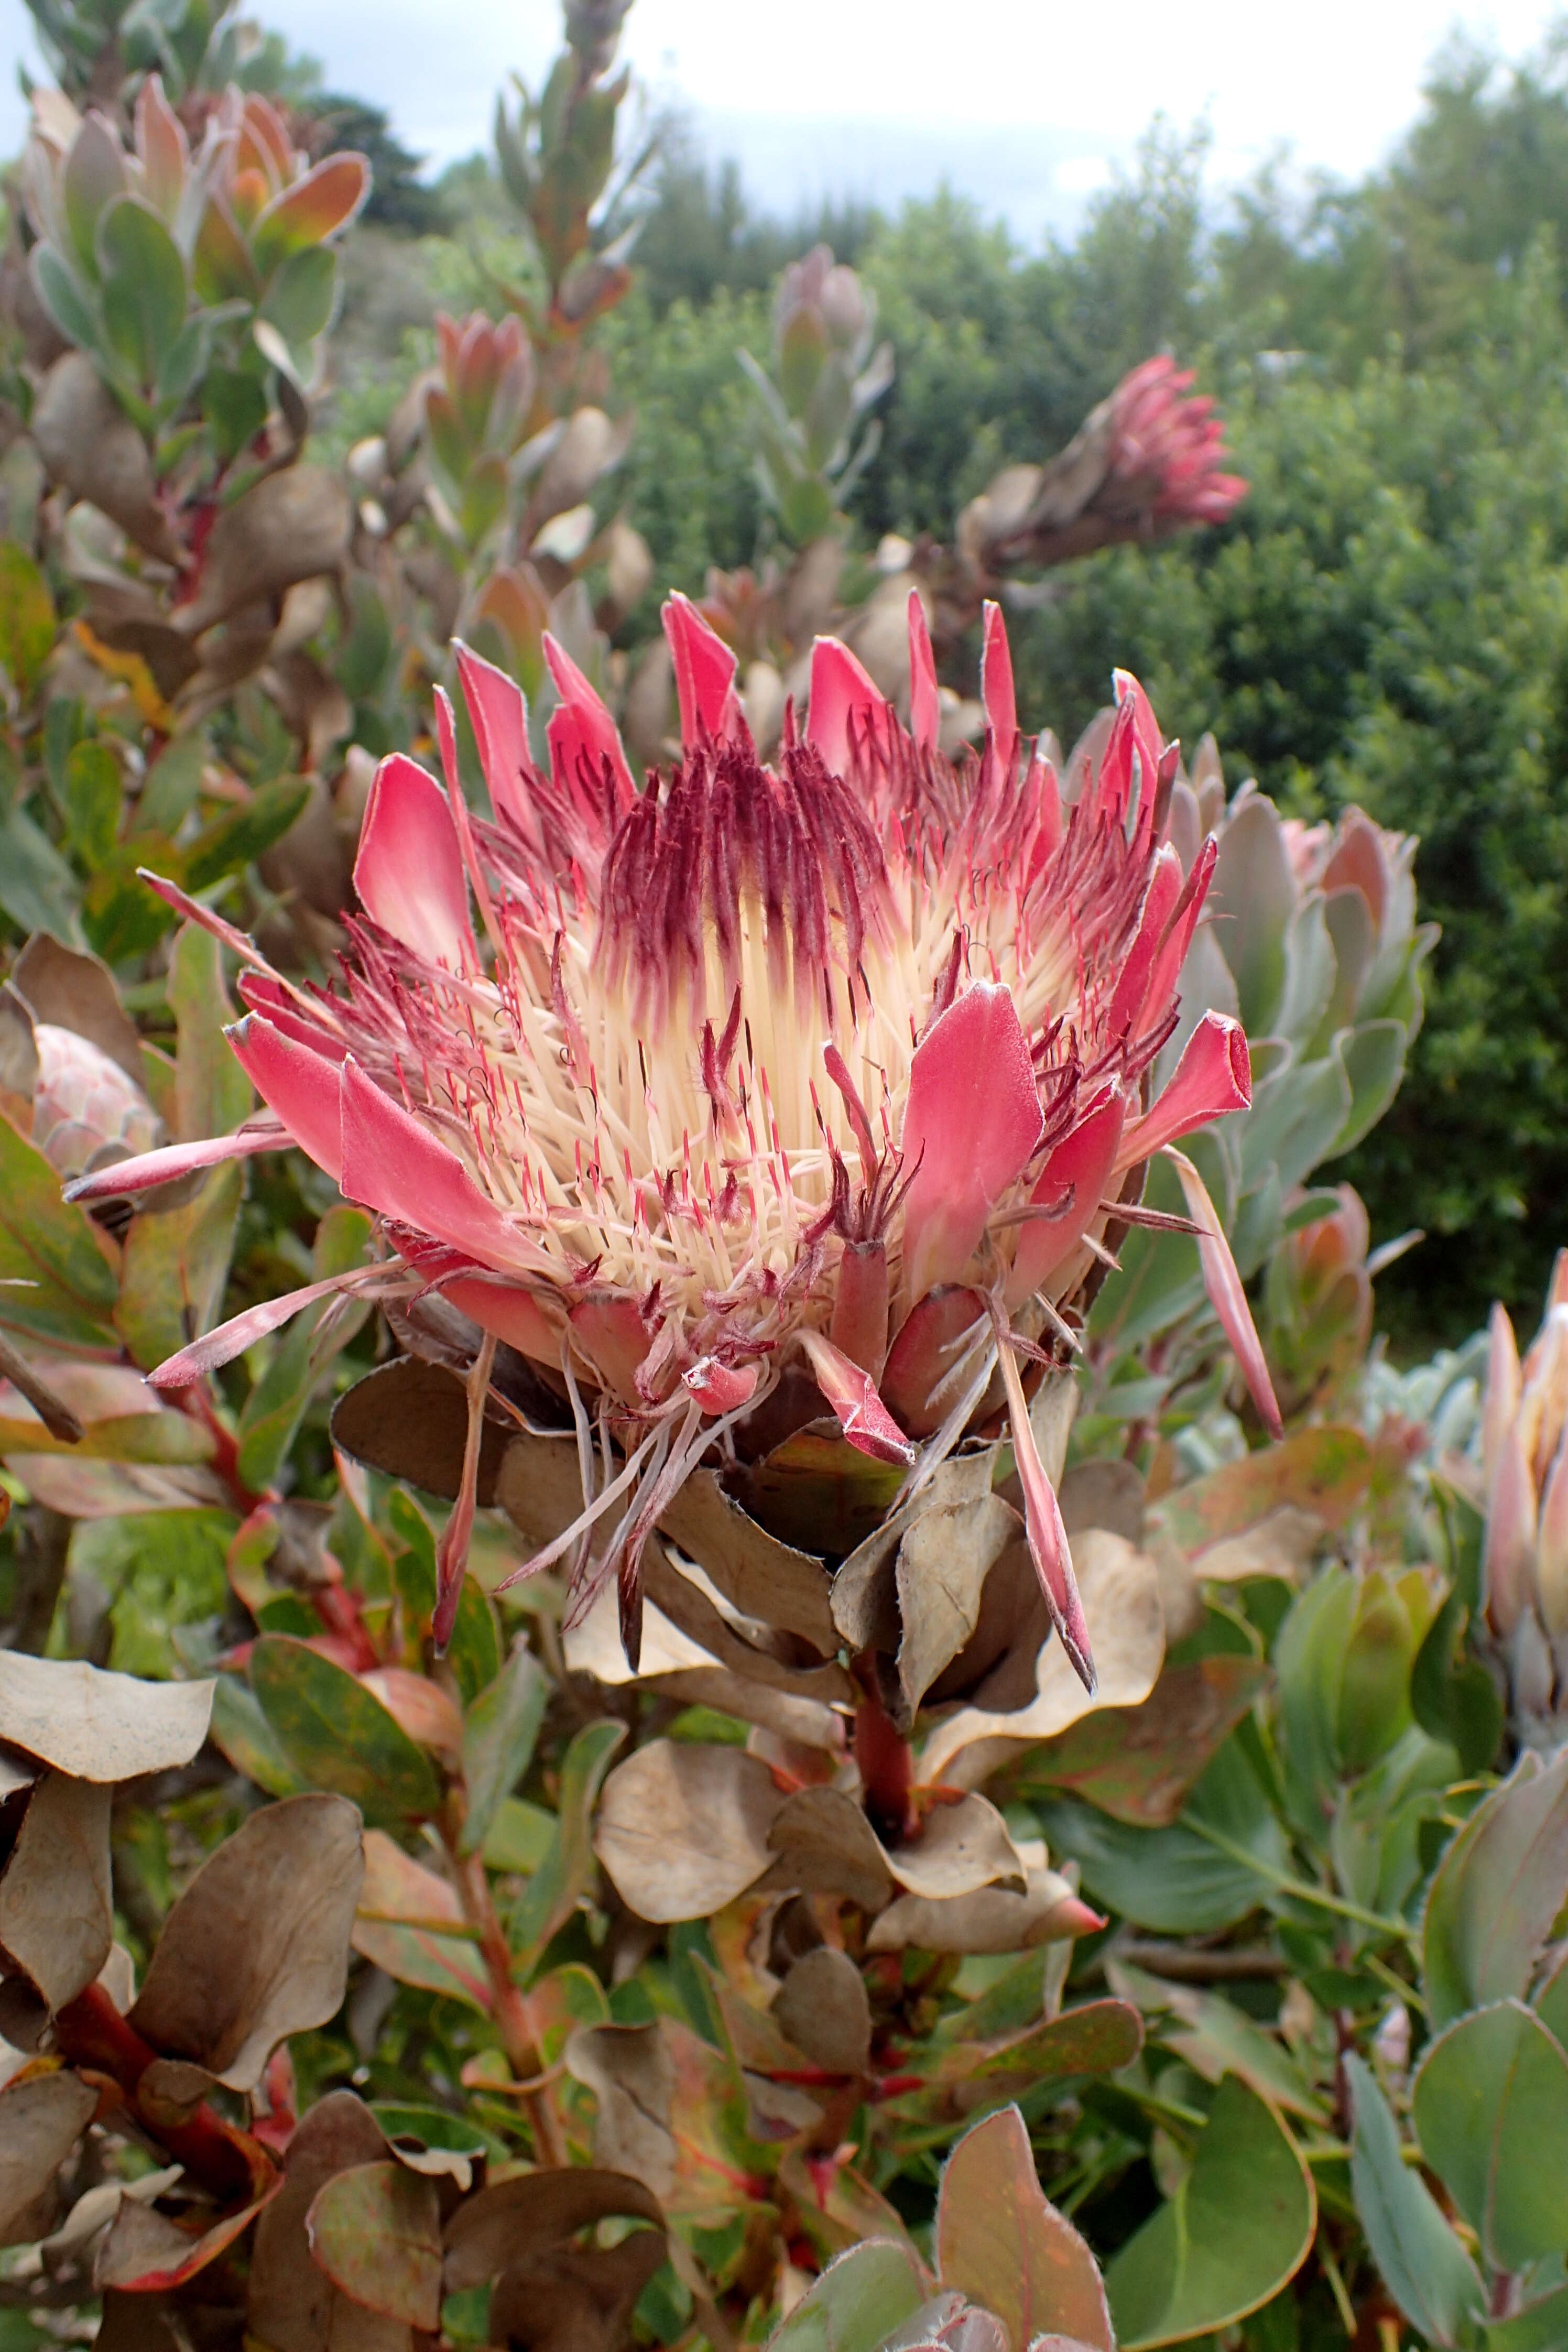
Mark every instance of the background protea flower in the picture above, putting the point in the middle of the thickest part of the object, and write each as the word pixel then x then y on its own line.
pixel 828 1074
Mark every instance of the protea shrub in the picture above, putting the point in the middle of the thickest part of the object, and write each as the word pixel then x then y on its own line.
pixel 767 1118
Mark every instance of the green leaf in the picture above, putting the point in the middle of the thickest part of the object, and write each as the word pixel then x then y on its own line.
pixel 122 917
pixel 433 2128
pixel 212 1093
pixel 339 1736
pixel 173 781
pixel 242 1732
pixel 518 1837
pixel 1496 1894
pixel 1216 2039
pixel 1239 2226
pixel 1424 2266
pixel 376 2230
pixel 92 802
pixel 1451 1693
pixel 1491 2110
pixel 498 1732
pixel 277 1404
pixel 859 2300
pixel 37 889
pixel 69 307
pixel 238 839
pixel 1000 2240
pixel 27 618
pixel 1308 1658
pixel 234 406
pixel 57 1270
pixel 566 1874
pixel 299 299
pixel 174 1267
pixel 1539 2327
pixel 961 2076
pixel 474 1652
pixel 145 292
pixel 1170 1880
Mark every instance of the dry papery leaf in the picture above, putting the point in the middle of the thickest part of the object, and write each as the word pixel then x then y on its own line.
pixel 576 2299
pixel 57 1914
pixel 410 1419
pixel 257 1946
pixel 944 1563
pixel 533 2212
pixel 1103 1495
pixel 864 1600
pixel 1120 1592
pixel 69 990
pixel 89 442
pixel 988 1919
pixel 293 2305
pixel 291 526
pixel 684 1829
pixel 40 2123
pixel 97 1726
pixel 632 2075
pixel 148 2250
pixel 823 2009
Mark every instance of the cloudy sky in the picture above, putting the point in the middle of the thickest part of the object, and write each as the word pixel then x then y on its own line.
pixel 1025 105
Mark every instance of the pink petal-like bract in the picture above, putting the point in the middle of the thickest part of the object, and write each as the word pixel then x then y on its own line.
pixel 499 716
pixel 1226 1296
pixel 846 706
pixel 1504 1386
pixel 409 870
pixel 863 1417
pixel 171 1161
pixel 970 1127
pixel 295 1081
pixel 704 675
pixel 925 698
pixel 1508 1552
pixel 1213 1076
pixel 1066 1197
pixel 1048 1537
pixel 830 1060
pixel 393 1163
pixel 241 1331
pixel 996 685
pixel 585 741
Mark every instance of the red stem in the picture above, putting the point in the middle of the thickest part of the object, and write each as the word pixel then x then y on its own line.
pixel 90 2033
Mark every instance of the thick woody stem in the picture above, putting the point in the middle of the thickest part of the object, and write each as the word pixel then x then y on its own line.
pixel 886 1763
pixel 90 2034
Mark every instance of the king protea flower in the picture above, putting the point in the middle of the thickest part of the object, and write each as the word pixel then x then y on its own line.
pixel 838 1066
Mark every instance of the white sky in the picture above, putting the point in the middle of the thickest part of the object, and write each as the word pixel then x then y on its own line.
pixel 1021 102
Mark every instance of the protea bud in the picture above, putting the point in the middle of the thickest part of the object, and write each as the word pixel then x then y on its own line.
pixel 68 1051
pixel 825 376
pixel 1147 462
pixel 1524 1460
pixel 758 1087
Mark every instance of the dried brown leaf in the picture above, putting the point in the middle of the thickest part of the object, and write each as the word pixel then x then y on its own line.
pixel 943 1565
pixel 577 2299
pixel 293 2305
pixel 410 1419
pixel 526 2216
pixel 57 1913
pixel 1120 1592
pixel 97 1726
pixel 823 2009
pixel 69 990
pixel 683 1829
pixel 89 445
pixel 759 1576
pixel 825 1845
pixel 292 526
pixel 864 1600
pixel 632 2075
pixel 961 1848
pixel 40 2123
pixel 1103 1495
pixel 257 1946
pixel 991 1919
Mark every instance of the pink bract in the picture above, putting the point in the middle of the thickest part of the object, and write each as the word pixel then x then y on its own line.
pixel 682 1088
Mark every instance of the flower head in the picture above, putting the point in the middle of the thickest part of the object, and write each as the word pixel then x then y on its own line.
pixel 1524 1460
pixel 833 1070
